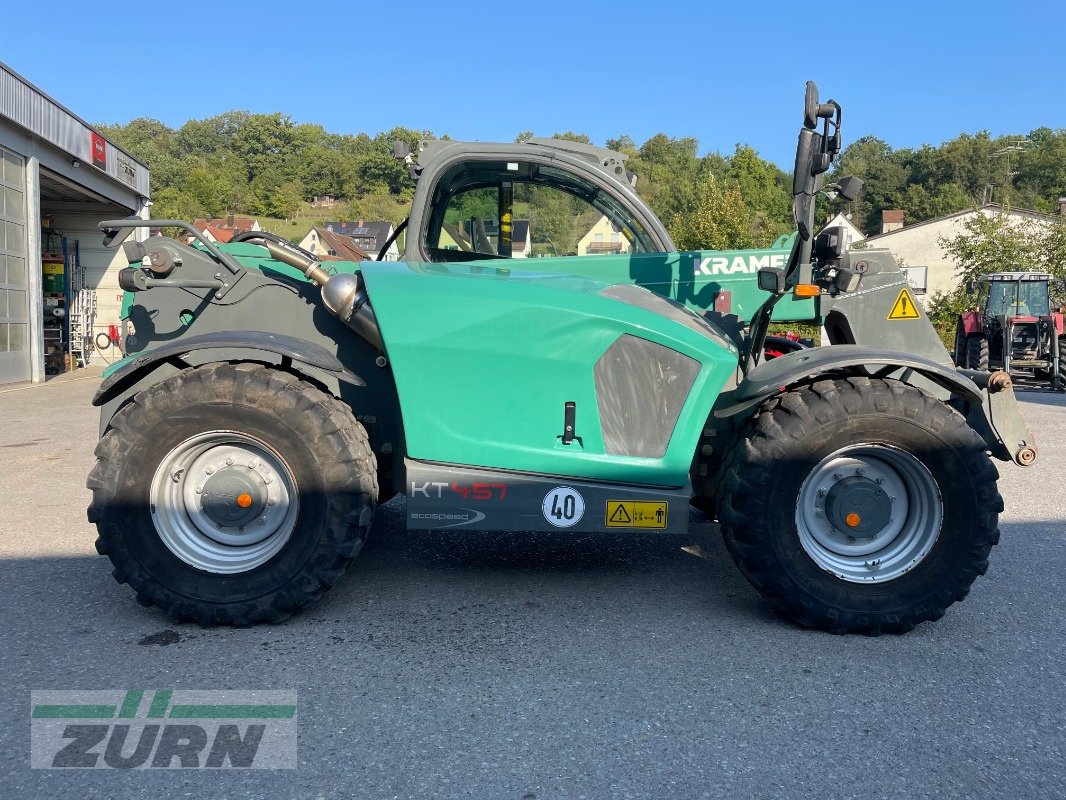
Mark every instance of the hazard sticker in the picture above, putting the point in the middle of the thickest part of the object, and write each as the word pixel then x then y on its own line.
pixel 636 514
pixel 904 307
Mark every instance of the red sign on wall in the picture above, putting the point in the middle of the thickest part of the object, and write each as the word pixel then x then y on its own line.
pixel 98 144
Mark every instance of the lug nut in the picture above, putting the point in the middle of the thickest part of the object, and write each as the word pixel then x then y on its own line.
pixel 837 476
pixel 860 471
pixel 210 470
pixel 200 489
pixel 272 501
pixel 229 462
pixel 880 481
pixel 823 492
pixel 818 513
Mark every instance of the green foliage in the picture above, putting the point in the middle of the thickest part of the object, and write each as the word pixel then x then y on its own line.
pixel 963 173
pixel 720 220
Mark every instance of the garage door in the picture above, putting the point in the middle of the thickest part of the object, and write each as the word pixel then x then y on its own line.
pixel 14 307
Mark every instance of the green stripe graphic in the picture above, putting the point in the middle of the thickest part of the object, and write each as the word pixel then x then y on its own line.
pixel 233 712
pixel 72 712
pixel 131 703
pixel 159 703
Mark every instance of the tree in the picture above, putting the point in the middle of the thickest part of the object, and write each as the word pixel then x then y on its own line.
pixel 720 220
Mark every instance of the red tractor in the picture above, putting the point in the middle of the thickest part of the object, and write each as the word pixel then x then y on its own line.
pixel 1012 328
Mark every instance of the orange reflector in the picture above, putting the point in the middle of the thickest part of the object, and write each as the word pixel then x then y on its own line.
pixel 245 500
pixel 852 519
pixel 806 290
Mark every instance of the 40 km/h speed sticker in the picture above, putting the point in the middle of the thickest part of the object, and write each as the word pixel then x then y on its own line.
pixel 563 507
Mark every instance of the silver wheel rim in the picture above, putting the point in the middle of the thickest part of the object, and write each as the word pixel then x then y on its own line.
pixel 198 495
pixel 888 483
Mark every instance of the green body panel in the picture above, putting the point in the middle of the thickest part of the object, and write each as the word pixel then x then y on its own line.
pixel 485 358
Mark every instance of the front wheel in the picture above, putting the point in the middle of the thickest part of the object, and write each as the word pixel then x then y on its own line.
pixel 232 494
pixel 860 505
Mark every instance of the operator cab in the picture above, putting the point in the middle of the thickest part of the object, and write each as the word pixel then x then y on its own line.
pixel 489 209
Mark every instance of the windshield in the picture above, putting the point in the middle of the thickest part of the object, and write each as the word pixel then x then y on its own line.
pixel 1018 299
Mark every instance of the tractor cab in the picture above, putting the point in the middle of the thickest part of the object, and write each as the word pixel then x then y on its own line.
pixel 1015 294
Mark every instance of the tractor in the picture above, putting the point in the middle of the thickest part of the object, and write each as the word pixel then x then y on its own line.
pixel 271 401
pixel 1012 328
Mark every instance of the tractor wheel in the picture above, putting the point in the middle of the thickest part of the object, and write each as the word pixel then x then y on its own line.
pixel 232 494
pixel 977 353
pixel 860 505
pixel 959 353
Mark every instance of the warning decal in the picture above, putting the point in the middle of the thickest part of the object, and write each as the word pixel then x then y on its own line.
pixel 904 307
pixel 636 514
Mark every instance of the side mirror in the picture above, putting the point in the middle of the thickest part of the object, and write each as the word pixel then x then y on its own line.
pixel 849 187
pixel 400 150
pixel 772 280
pixel 810 107
pixel 971 286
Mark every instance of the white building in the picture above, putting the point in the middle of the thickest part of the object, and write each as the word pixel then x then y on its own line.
pixel 918 246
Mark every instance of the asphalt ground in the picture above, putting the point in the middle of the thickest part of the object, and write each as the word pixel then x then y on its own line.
pixel 547 666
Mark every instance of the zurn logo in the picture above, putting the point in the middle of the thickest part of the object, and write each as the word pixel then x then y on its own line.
pixel 163 729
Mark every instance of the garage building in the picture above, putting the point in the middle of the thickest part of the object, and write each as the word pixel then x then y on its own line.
pixel 59 295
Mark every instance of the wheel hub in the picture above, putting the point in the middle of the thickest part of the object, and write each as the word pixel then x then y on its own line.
pixel 858 506
pixel 233 497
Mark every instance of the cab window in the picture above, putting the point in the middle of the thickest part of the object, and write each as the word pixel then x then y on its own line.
pixel 486 210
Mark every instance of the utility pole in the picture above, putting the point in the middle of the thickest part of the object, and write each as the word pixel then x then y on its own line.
pixel 1012 146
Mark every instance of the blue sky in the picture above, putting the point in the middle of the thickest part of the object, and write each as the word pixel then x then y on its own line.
pixel 908 72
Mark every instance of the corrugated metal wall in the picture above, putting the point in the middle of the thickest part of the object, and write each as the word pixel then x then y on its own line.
pixel 36 112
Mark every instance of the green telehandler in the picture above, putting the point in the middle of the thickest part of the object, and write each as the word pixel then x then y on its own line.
pixel 270 401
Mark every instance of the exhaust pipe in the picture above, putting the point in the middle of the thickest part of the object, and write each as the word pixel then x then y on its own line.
pixel 344 294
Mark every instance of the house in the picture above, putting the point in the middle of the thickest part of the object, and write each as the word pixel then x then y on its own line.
pixel 603 238
pixel 220 230
pixel 330 246
pixel 918 247
pixel 323 201
pixel 370 236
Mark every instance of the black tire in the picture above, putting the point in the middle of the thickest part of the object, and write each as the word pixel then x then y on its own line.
pixel 316 437
pixel 762 479
pixel 977 353
pixel 959 354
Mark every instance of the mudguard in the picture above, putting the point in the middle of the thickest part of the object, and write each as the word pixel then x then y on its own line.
pixel 772 376
pixel 988 399
pixel 306 358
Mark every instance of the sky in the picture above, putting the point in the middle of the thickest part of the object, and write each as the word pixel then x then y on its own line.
pixel 908 72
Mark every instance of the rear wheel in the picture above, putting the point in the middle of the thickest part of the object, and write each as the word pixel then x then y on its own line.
pixel 977 353
pixel 860 505
pixel 232 494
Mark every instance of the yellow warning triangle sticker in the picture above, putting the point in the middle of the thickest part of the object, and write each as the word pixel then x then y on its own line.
pixel 620 514
pixel 904 307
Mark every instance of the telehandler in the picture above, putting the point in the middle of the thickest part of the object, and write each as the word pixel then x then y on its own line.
pixel 270 401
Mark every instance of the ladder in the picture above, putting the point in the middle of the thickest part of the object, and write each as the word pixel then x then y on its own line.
pixel 82 320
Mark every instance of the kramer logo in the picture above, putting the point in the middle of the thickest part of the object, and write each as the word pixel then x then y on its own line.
pixel 163 729
pixel 724 265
